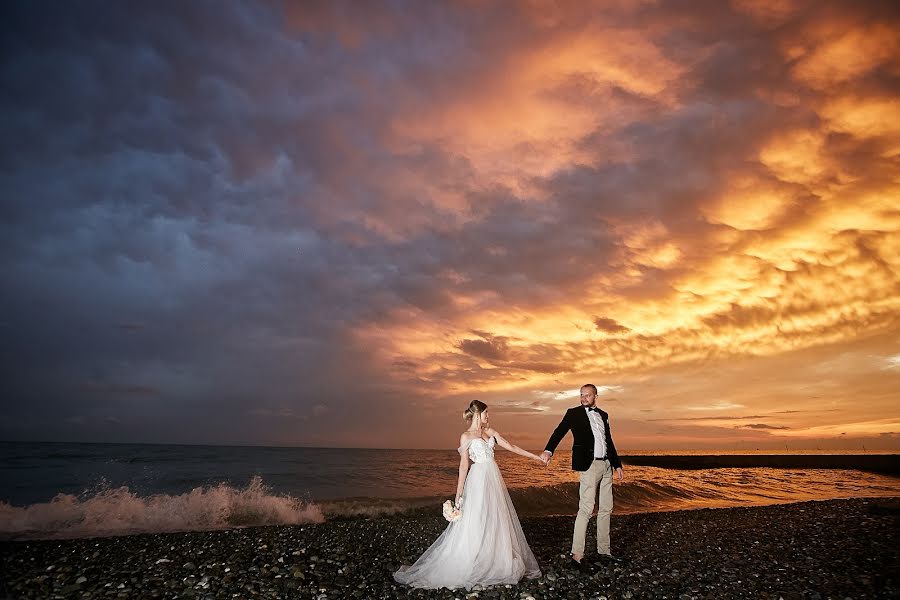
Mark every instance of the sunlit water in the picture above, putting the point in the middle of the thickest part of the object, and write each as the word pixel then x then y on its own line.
pixel 72 490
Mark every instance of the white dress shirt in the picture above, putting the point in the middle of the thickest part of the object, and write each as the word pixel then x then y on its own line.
pixel 599 431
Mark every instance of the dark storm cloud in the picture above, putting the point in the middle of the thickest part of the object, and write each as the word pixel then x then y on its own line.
pixel 491 349
pixel 233 221
pixel 608 325
pixel 155 229
pixel 97 387
pixel 497 351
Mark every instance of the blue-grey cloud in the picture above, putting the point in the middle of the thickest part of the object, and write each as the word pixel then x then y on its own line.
pixel 205 204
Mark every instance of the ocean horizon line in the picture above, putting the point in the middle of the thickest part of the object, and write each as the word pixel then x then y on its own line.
pixel 635 452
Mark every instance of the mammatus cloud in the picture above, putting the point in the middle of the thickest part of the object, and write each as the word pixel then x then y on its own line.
pixel 609 325
pixel 729 220
pixel 362 216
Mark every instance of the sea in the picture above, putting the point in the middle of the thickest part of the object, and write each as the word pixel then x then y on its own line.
pixel 67 490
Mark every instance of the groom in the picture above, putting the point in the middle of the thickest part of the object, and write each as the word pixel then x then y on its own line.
pixel 594 455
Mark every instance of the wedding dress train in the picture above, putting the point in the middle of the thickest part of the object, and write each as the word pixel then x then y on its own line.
pixel 486 544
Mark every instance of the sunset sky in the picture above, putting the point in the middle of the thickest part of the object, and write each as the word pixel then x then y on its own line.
pixel 335 224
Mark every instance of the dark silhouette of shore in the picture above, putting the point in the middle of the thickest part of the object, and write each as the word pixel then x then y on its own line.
pixel 886 464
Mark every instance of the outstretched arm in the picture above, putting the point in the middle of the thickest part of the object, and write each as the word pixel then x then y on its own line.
pixel 463 468
pixel 556 437
pixel 512 447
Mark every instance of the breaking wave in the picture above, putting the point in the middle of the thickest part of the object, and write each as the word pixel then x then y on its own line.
pixel 120 511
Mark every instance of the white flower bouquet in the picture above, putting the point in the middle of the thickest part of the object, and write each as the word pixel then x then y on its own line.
pixel 451 512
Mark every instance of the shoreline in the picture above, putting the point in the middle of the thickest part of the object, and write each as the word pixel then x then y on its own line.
pixel 828 548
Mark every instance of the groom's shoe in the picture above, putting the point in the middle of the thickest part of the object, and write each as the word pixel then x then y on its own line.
pixel 578 565
pixel 609 559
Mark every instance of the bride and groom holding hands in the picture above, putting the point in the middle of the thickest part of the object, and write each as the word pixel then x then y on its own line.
pixel 486 545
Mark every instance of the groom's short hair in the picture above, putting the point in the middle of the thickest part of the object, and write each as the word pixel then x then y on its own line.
pixel 590 385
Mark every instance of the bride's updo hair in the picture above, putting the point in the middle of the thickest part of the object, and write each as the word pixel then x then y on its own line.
pixel 475 407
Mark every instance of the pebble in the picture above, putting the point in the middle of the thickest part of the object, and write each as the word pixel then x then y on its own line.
pixel 761 552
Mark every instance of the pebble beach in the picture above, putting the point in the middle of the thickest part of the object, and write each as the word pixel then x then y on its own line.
pixel 825 549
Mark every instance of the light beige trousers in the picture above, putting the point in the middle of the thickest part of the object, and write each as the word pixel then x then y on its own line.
pixel 599 475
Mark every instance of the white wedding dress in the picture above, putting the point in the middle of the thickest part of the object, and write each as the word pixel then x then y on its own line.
pixel 486 545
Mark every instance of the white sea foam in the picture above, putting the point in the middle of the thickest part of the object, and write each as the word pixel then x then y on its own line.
pixel 119 511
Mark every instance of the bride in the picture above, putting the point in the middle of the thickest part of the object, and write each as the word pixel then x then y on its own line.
pixel 485 545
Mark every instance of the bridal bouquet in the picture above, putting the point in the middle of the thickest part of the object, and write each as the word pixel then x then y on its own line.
pixel 451 512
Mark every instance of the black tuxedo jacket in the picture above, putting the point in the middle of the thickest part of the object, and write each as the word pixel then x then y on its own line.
pixel 576 421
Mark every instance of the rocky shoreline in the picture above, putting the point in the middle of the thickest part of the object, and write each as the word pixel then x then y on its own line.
pixel 829 549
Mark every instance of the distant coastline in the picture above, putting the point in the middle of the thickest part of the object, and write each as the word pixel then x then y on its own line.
pixel 885 464
pixel 637 452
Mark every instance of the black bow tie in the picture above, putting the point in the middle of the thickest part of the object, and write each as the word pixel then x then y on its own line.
pixel 595 409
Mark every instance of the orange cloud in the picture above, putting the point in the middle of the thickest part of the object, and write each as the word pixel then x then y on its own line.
pixel 838 53
pixel 622 204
